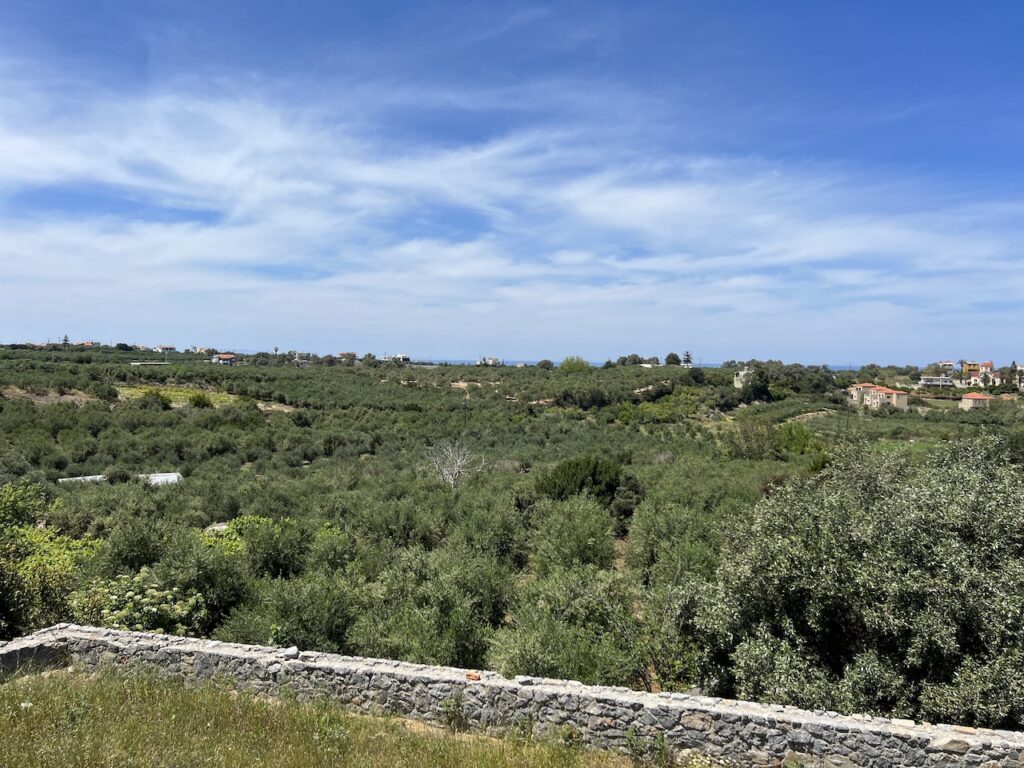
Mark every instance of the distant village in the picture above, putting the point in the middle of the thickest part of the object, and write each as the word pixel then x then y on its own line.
pixel 299 359
pixel 945 375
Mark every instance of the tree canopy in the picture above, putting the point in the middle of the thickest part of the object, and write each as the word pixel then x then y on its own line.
pixel 881 585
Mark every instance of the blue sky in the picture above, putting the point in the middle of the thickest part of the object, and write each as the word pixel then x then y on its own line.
pixel 819 182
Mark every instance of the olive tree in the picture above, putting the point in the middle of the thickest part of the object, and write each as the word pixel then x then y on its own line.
pixel 882 585
pixel 578 623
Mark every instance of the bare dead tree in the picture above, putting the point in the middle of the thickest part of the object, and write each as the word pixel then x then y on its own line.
pixel 453 462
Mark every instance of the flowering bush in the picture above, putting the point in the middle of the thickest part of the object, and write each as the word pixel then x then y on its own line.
pixel 138 603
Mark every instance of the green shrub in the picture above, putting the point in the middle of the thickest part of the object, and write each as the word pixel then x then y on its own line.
pixel 880 585
pixel 39 568
pixel 22 504
pixel 433 607
pixel 670 543
pixel 212 566
pixel 578 624
pixel 313 611
pixel 574 364
pixel 796 437
pixel 752 438
pixel 200 400
pixel 570 533
pixel 153 400
pixel 275 548
pixel 602 478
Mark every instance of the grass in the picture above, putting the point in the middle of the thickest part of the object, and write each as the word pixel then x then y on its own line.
pixel 72 721
pixel 938 402
pixel 178 396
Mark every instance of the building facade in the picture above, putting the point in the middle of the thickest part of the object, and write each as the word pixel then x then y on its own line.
pixel 875 396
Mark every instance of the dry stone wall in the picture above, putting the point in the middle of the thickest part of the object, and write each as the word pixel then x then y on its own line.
pixel 742 733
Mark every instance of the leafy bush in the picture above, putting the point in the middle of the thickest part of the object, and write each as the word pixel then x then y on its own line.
pixel 38 567
pixel 133 542
pixel 14 602
pixel 574 364
pixel 433 607
pixel 572 533
pixel 796 437
pixel 578 624
pixel 200 400
pixel 880 586
pixel 153 400
pixel 212 566
pixel 50 567
pixel 671 543
pixel 602 478
pixel 752 438
pixel 311 611
pixel 273 548
pixel 22 504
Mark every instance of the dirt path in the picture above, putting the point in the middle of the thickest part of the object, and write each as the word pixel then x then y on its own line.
pixel 75 396
pixel 812 415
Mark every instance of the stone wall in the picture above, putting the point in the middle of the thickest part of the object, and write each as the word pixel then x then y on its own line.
pixel 739 732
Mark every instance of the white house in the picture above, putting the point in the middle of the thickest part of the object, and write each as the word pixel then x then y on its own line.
pixel 980 374
pixel 936 382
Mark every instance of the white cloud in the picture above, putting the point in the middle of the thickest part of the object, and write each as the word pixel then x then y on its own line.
pixel 322 229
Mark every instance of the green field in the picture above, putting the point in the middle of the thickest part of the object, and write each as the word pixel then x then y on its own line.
pixel 178 396
pixel 937 402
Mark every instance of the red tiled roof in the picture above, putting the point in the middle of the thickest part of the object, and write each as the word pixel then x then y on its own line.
pixel 976 396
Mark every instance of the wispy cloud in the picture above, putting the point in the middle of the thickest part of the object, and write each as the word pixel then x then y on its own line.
pixel 317 224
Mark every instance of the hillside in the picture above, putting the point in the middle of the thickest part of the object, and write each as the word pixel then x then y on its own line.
pixel 570 521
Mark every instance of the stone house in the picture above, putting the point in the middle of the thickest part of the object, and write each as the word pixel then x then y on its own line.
pixel 974 400
pixel 874 396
